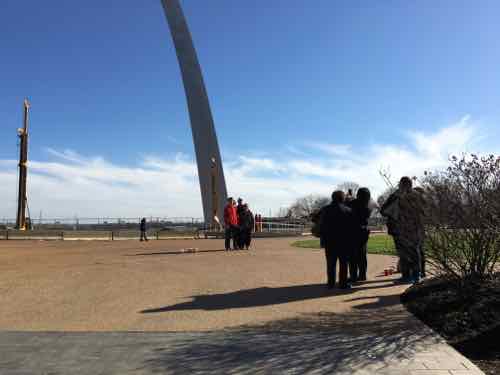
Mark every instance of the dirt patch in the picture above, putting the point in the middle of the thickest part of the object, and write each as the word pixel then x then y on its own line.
pixel 162 286
pixel 467 317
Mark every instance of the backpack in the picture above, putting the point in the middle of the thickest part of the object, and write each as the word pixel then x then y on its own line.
pixel 390 210
pixel 392 227
pixel 316 227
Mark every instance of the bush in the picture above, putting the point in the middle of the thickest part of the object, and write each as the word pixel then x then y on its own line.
pixel 463 217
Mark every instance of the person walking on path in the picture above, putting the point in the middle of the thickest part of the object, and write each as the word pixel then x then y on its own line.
pixel 337 229
pixel 246 226
pixel 231 224
pixel 143 230
pixel 405 223
pixel 360 208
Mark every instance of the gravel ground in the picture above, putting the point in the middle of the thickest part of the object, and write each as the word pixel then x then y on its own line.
pixel 154 286
pixel 70 307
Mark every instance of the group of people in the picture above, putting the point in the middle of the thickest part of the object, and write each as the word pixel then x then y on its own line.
pixel 343 232
pixel 239 223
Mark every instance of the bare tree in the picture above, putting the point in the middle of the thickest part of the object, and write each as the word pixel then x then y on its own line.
pixel 462 206
pixel 383 197
pixel 386 175
pixel 283 212
pixel 304 207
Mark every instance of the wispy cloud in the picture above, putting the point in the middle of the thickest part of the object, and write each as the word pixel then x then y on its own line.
pixel 452 139
pixel 67 155
pixel 70 183
pixel 293 150
pixel 331 149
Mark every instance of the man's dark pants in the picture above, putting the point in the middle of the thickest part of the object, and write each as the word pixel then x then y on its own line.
pixel 245 238
pixel 332 255
pixel 358 263
pixel 410 259
pixel 231 232
pixel 238 238
pixel 363 262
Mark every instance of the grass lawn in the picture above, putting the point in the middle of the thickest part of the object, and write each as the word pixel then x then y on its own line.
pixel 377 244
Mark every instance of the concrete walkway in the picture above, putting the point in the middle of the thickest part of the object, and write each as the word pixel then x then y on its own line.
pixel 303 346
pixel 70 309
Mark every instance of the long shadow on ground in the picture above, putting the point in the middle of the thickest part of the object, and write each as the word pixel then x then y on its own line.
pixel 361 342
pixel 175 252
pixel 376 302
pixel 258 297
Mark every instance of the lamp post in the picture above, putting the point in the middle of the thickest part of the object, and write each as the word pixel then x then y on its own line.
pixel 23 170
pixel 215 202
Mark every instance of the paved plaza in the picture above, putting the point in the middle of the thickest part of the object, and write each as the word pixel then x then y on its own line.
pixel 96 307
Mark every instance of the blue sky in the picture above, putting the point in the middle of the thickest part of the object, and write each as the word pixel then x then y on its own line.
pixel 304 95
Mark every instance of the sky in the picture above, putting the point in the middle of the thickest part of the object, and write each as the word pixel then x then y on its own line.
pixel 305 96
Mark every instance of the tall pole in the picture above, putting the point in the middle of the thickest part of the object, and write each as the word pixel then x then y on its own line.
pixel 23 170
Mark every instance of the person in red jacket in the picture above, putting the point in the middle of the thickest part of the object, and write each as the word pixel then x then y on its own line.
pixel 230 223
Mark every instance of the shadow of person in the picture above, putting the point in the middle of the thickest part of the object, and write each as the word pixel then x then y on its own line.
pixel 250 298
pixel 376 302
pixel 257 297
pixel 176 252
pixel 359 341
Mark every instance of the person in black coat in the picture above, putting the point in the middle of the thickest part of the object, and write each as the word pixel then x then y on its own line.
pixel 143 229
pixel 247 224
pixel 337 227
pixel 240 209
pixel 358 262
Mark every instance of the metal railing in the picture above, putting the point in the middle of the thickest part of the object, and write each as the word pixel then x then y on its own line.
pixel 179 224
pixel 105 228
pixel 270 226
pixel 105 223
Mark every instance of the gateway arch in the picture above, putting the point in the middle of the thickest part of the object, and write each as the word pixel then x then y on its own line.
pixel 208 159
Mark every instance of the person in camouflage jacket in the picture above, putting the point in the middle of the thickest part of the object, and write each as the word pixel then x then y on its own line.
pixel 405 223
